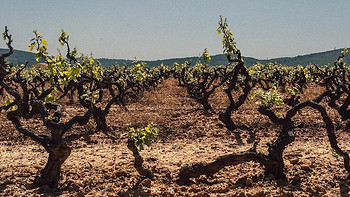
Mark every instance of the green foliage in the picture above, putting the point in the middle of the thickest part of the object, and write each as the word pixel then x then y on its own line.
pixel 142 136
pixel 292 90
pixel 345 51
pixel 51 98
pixel 9 102
pixel 268 99
pixel 89 95
pixel 40 46
pixel 64 37
pixel 205 56
pixel 334 153
pixel 228 41
pixel 138 72
pixel 60 67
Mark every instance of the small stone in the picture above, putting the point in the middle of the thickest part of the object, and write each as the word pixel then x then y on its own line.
pixel 305 167
pixel 248 182
pixel 296 180
pixel 80 194
pixel 255 178
pixel 147 182
pixel 168 175
pixel 124 184
pixel 241 181
pixel 294 161
pixel 319 189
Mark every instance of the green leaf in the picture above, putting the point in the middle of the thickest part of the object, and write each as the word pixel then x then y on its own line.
pixel 44 42
pixel 218 30
pixel 8 102
pixel 31 46
pixel 345 51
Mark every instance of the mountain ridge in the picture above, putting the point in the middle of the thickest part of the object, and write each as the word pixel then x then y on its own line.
pixel 320 58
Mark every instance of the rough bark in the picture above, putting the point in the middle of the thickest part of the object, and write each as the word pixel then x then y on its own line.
pixel 233 83
pixel 139 161
pixel 286 136
pixel 204 101
pixel 50 175
pixel 209 169
pixel 275 166
pixel 225 118
pixel 273 162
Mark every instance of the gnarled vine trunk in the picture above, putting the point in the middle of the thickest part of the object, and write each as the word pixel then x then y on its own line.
pixel 275 166
pixel 273 162
pixel 139 160
pixel 50 175
pixel 225 118
pixel 204 101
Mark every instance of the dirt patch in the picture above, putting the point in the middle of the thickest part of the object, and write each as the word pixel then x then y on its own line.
pixel 100 167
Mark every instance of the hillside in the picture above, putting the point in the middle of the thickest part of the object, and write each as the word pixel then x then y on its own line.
pixel 320 58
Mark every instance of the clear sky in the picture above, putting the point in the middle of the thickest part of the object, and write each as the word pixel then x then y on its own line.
pixel 159 29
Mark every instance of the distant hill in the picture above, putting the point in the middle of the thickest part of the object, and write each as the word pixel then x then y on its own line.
pixel 320 58
pixel 215 60
pixel 20 57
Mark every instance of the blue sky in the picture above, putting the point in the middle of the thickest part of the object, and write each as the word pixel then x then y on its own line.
pixel 159 29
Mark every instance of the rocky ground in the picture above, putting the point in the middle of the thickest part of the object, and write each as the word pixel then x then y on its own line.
pixel 101 165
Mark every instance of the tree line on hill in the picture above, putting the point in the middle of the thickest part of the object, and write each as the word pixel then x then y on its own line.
pixel 320 58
